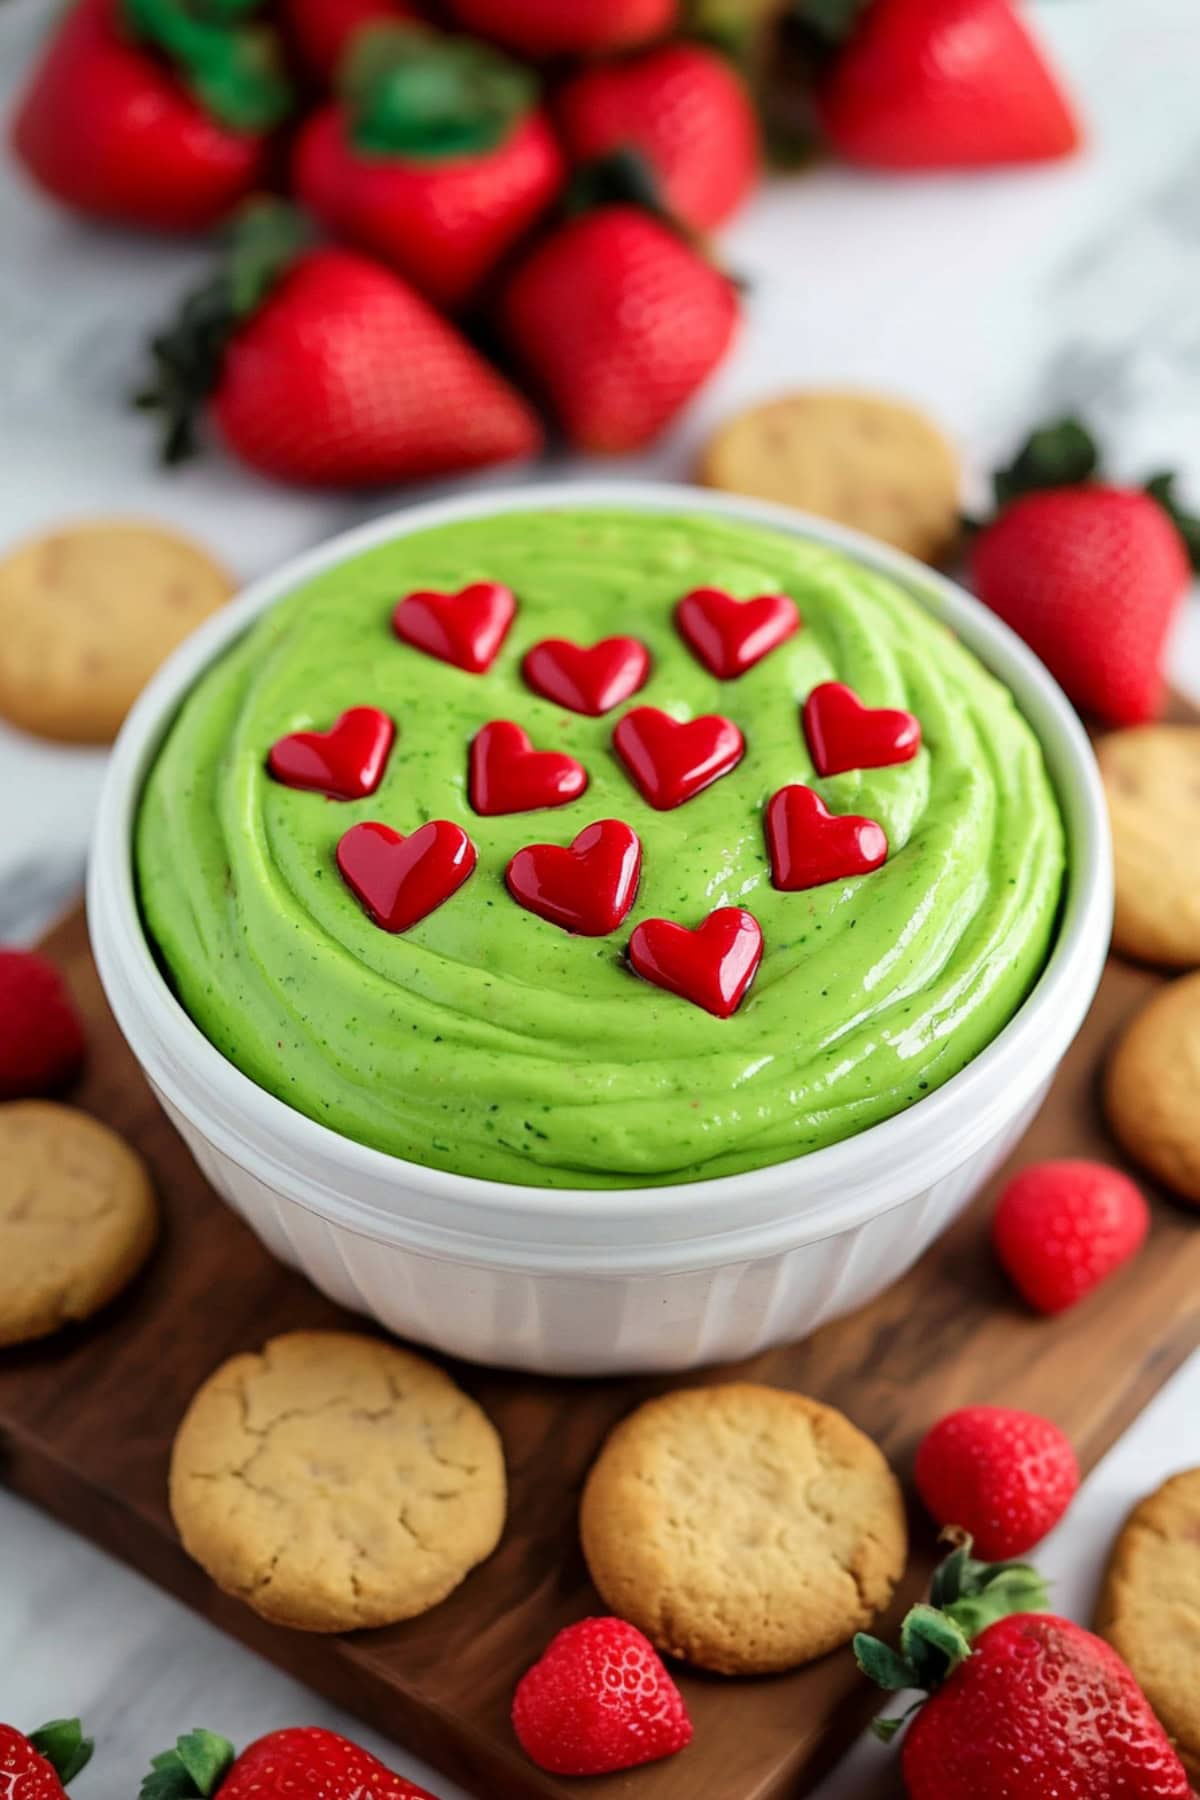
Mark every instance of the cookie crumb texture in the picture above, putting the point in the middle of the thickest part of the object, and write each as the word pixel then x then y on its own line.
pixel 1152 784
pixel 1151 1085
pixel 1150 1608
pixel 334 1481
pixel 743 1528
pixel 78 1217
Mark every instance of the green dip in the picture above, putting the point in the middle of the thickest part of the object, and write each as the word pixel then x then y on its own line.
pixel 489 1042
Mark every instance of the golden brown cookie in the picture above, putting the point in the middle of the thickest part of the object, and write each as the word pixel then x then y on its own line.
pixel 77 1217
pixel 743 1528
pixel 859 458
pixel 1152 783
pixel 1152 1087
pixel 334 1481
pixel 1150 1607
pixel 87 613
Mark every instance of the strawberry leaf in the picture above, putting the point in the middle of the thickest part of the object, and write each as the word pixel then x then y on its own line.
pixel 832 21
pixel 64 1747
pixel 234 70
pixel 1059 455
pixel 423 95
pixel 193 1770
pixel 1162 488
pixel 883 1665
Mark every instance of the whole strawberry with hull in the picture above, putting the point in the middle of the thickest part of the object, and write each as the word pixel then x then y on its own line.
pixel 548 28
pixel 1089 573
pixel 152 113
pixel 306 1760
pixel 1022 1705
pixel 320 366
pixel 38 1765
pixel 436 157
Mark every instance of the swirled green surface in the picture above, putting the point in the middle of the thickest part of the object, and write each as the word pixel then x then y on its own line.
pixel 485 1040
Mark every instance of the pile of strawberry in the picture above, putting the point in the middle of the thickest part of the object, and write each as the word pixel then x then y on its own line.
pixel 511 195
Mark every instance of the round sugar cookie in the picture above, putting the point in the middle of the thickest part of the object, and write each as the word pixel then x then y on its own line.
pixel 87 613
pixel 333 1481
pixel 1152 784
pixel 743 1528
pixel 1152 1087
pixel 78 1217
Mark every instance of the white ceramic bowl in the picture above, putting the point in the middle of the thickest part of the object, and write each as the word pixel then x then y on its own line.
pixel 585 1281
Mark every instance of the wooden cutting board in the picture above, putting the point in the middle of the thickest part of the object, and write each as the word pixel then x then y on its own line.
pixel 86 1423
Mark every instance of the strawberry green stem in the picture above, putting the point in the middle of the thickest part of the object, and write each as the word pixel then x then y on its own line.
pixel 234 69
pixel 1060 455
pixel 188 357
pixel 421 95
pixel 193 1770
pixel 64 1747
pixel 966 1596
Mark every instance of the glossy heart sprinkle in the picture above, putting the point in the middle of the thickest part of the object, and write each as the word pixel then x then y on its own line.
pixel 671 759
pixel 587 886
pixel 729 636
pixel 587 678
pixel 346 762
pixel 809 845
pixel 466 629
pixel 844 734
pixel 399 880
pixel 711 966
pixel 507 775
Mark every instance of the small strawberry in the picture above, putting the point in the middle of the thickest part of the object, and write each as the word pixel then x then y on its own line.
pixel 1061 1228
pixel 688 113
pixel 1005 1476
pixel 599 1699
pixel 1089 574
pixel 322 30
pixel 935 84
pixel 41 1038
pixel 152 114
pixel 38 1765
pixel 541 28
pixel 1022 1705
pixel 324 367
pixel 437 159
pixel 304 1759
pixel 620 322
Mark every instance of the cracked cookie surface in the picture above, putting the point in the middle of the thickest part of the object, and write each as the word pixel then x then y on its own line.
pixel 1152 784
pixel 77 1217
pixel 743 1528
pixel 1150 1086
pixel 333 1481
pixel 1150 1607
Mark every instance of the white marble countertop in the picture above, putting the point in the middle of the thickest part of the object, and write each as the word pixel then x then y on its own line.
pixel 996 301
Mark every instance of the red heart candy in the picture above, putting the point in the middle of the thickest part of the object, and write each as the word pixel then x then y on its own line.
pixel 669 759
pixel 711 966
pixel 466 629
pixel 507 775
pixel 587 678
pixel 346 762
pixel 587 886
pixel 399 880
pixel 808 845
pixel 729 636
pixel 844 734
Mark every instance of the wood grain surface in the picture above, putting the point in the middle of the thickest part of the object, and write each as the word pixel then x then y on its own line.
pixel 86 1422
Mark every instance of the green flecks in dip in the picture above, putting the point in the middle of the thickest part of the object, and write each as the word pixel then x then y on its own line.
pixel 487 1041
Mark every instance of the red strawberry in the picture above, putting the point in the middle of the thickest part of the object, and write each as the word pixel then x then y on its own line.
pixel 41 1038
pixel 38 1765
pixel 540 28
pixel 1061 1228
pixel 322 30
pixel 304 1760
pixel 437 161
pixel 620 322
pixel 686 111
pixel 598 1700
pixel 1091 577
pixel 1023 1705
pixel 933 84
pixel 1005 1476
pixel 324 367
pixel 140 112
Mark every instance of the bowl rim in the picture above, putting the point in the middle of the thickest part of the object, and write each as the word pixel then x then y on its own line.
pixel 1061 994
